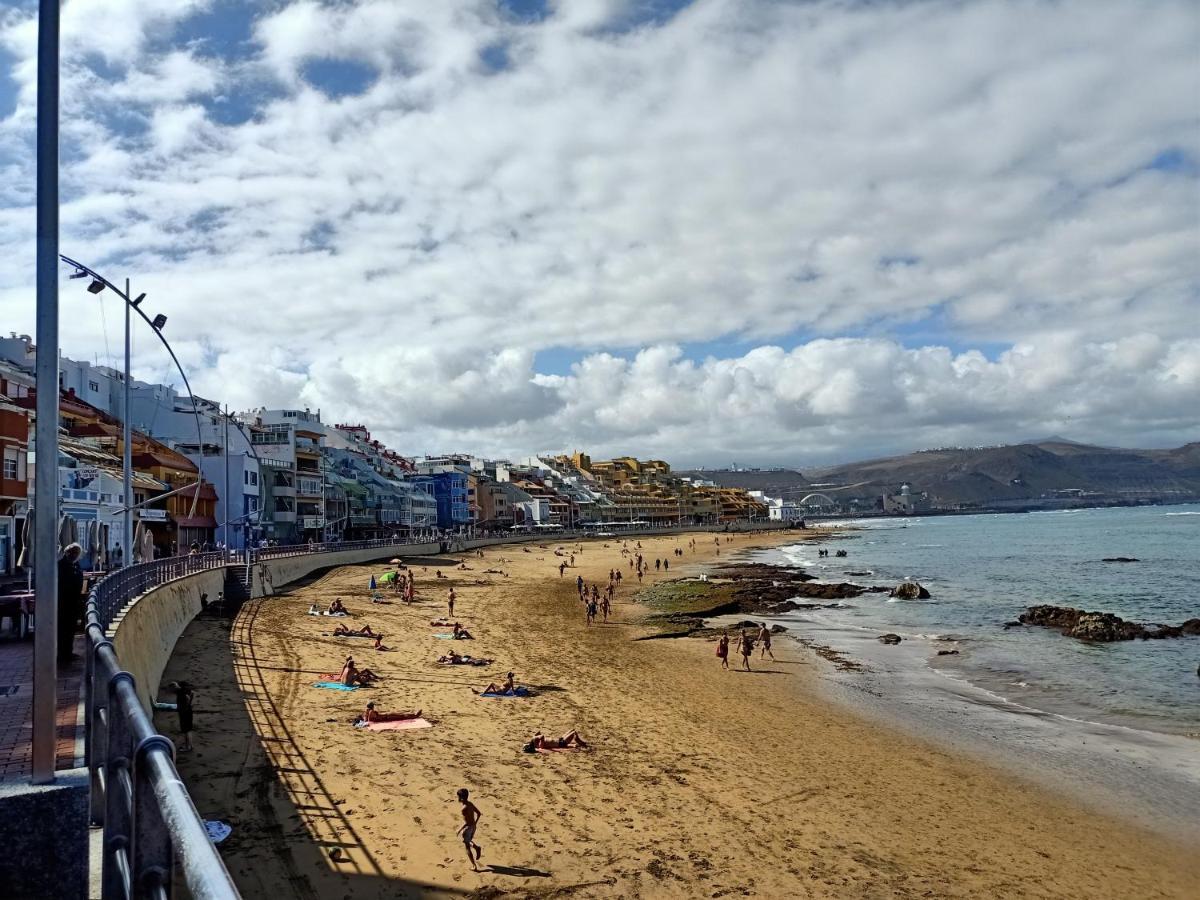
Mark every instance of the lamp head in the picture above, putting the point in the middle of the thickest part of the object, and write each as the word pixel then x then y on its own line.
pixel 79 273
pixel 137 301
pixel 96 286
pixel 159 321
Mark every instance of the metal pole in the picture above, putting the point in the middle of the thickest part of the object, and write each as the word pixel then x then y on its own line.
pixel 127 455
pixel 45 662
pixel 228 496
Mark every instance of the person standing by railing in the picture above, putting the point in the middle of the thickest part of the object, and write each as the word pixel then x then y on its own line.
pixel 70 601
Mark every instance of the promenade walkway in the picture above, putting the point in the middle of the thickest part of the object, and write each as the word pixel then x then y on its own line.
pixel 16 710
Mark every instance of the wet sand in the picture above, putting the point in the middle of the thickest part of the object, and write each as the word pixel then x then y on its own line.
pixel 699 783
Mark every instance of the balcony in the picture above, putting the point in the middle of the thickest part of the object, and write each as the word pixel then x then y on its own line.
pixel 308 487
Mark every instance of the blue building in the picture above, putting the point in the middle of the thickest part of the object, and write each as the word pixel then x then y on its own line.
pixel 449 489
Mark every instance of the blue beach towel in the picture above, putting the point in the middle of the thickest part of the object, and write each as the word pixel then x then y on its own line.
pixel 334 686
pixel 517 692
pixel 444 637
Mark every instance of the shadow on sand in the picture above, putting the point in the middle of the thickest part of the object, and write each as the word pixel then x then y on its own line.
pixel 290 839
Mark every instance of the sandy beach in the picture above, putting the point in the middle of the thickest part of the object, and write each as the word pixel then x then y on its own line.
pixel 698 783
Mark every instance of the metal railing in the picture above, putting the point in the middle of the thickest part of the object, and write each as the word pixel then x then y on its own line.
pixel 113 592
pixel 136 792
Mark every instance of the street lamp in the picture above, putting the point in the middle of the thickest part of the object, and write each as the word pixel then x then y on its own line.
pixel 98 284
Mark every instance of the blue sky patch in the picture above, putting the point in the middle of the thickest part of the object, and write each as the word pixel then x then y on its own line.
pixel 339 77
pixel 1175 159
pixel 225 30
pixel 495 57
pixel 526 10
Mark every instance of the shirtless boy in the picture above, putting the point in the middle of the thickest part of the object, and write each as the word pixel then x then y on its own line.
pixel 471 816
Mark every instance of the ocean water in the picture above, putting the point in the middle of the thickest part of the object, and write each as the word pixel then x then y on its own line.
pixel 984 570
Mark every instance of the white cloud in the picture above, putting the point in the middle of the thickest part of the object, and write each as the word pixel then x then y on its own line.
pixel 746 174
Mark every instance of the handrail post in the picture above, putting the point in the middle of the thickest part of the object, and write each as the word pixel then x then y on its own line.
pixel 153 859
pixel 118 824
pixel 97 729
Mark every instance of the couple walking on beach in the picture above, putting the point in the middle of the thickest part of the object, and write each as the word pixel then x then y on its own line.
pixel 745 646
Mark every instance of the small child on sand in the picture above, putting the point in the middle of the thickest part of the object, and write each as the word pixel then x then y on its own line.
pixel 471 816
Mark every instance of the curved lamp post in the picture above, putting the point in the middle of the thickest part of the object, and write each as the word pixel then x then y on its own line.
pixel 99 283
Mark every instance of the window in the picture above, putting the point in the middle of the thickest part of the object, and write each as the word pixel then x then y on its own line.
pixel 10 463
pixel 94 386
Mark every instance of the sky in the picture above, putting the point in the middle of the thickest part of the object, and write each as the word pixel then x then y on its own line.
pixel 776 233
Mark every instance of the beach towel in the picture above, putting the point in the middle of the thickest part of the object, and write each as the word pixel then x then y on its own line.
pixel 335 686
pixel 369 637
pixel 171 707
pixel 444 637
pixel 556 749
pixel 333 615
pixel 217 831
pixel 403 725
pixel 517 692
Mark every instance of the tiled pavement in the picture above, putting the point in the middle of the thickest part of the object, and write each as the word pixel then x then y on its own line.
pixel 16 721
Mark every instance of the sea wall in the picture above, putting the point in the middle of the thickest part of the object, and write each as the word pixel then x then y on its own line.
pixel 145 632
pixel 274 574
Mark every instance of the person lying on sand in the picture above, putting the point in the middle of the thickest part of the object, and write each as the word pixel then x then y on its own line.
pixel 442 623
pixel 370 715
pixel 462 659
pixel 336 608
pixel 506 687
pixel 541 742
pixel 346 631
pixel 314 610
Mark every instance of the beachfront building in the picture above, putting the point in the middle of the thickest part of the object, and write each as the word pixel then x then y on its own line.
pixel 14 486
pixel 293 439
pixel 446 479
pixel 220 446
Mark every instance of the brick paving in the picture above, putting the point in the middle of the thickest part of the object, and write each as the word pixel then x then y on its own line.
pixel 16 708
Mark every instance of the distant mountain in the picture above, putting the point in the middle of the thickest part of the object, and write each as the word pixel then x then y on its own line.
pixel 954 477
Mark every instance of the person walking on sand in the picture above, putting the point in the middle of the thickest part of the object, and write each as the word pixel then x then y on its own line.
pixel 666 565
pixel 764 638
pixel 606 606
pixel 562 569
pixel 657 564
pixel 723 649
pixel 471 816
pixel 450 601
pixel 591 612
pixel 746 647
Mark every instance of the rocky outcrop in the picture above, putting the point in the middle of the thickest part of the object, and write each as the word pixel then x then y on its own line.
pixel 890 638
pixel 1102 627
pixel 1120 559
pixel 910 590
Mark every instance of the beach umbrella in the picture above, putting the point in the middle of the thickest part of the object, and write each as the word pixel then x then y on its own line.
pixel 65 531
pixel 148 545
pixel 25 560
pixel 395 562
pixel 135 552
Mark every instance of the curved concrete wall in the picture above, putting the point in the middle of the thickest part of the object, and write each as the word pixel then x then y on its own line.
pixel 145 633
pixel 274 574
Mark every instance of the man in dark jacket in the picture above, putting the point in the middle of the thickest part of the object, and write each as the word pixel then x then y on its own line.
pixel 70 600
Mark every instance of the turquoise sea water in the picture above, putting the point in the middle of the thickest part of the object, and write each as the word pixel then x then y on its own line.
pixel 984 570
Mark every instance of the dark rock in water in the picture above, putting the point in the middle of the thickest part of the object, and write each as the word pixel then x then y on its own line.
pixel 1008 625
pixel 778 629
pixel 877 589
pixel 1120 559
pixel 890 638
pixel 1102 627
pixel 910 590
pixel 947 653
pixel 858 574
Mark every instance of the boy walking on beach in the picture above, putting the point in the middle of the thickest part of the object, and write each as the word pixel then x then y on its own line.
pixel 471 816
